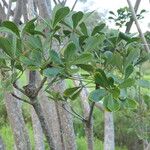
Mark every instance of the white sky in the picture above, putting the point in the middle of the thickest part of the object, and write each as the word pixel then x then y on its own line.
pixel 113 5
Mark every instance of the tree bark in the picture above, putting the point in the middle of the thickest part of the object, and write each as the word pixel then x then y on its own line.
pixel 109 143
pixel 2 147
pixel 17 123
pixel 86 110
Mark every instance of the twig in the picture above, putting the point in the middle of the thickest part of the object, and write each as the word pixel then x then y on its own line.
pixel 21 99
pixel 41 85
pixel 76 112
pixel 74 5
pixel 91 112
pixel 73 114
pixel 6 5
pixel 138 26
pixel 9 9
pixel 55 2
pixel 129 24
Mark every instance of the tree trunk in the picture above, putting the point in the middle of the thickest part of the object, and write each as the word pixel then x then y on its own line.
pixel 2 147
pixel 38 132
pixel 109 143
pixel 65 120
pixel 86 110
pixel 17 123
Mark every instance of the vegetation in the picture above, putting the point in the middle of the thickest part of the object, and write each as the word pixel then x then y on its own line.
pixel 63 48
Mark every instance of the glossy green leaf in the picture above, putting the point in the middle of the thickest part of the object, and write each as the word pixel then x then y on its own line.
pixel 97 95
pixel 110 103
pixel 51 72
pixel 132 56
pixel 76 18
pixel 98 28
pixel 6 46
pixel 12 26
pixel 93 42
pixel 76 94
pixel 60 15
pixel 83 58
pixel 127 83
pixel 69 52
pixel 115 92
pixel 54 56
pixel 130 104
pixel 129 71
pixel 86 67
pixel 83 28
pixel 29 27
pixel 71 91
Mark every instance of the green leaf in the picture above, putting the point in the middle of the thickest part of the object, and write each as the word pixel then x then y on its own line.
pixel 83 28
pixel 100 78
pixel 86 67
pixel 144 83
pixel 93 42
pixel 34 42
pixel 51 72
pixel 29 27
pixel 129 71
pixel 76 94
pixel 132 56
pixel 60 15
pixel 76 18
pixel 83 58
pixel 117 61
pixel 130 104
pixel 55 58
pixel 6 30
pixel 97 95
pixel 98 28
pixel 71 91
pixel 115 92
pixel 111 81
pixel 12 26
pixel 127 83
pixel 69 52
pixel 6 46
pixel 111 104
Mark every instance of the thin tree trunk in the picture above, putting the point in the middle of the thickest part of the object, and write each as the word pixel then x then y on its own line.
pixel 38 132
pixel 65 120
pixel 109 143
pixel 2 147
pixel 86 110
pixel 38 109
pixel 17 123
pixel 129 24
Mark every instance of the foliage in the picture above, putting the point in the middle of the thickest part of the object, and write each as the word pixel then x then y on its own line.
pixel 123 16
pixel 97 52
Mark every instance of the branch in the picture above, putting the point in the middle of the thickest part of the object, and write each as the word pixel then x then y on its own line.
pixel 138 26
pixel 19 89
pixel 76 113
pixel 91 112
pixel 41 85
pixel 6 5
pixel 74 5
pixel 129 24
pixel 21 99
pixel 73 114
pixel 55 2
pixel 9 9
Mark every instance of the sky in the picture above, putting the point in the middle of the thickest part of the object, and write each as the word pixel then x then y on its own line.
pixel 107 5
